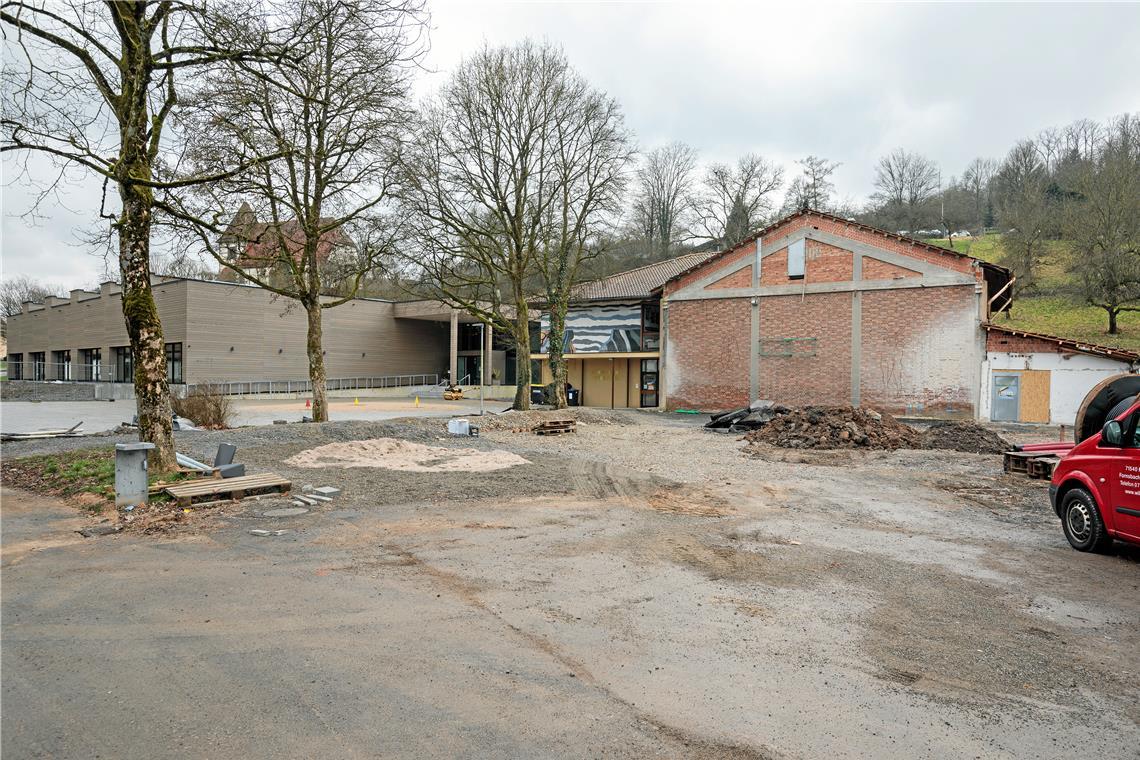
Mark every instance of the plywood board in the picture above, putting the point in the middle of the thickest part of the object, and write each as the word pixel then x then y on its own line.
pixel 1034 395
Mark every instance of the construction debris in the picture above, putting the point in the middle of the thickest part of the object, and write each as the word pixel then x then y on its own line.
pixel 833 427
pixel 235 488
pixel 968 437
pixel 260 532
pixel 757 414
pixel 71 432
pixel 99 530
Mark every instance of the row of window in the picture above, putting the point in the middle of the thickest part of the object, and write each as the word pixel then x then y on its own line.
pixel 90 365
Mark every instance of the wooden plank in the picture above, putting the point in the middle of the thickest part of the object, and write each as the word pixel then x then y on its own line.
pixel 1034 395
pixel 237 487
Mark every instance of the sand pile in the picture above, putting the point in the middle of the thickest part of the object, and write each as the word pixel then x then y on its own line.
pixel 834 427
pixel 969 437
pixel 395 454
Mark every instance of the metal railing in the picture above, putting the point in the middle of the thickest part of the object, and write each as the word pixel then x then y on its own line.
pixel 253 387
pixel 56 373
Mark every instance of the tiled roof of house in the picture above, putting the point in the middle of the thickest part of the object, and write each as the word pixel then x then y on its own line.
pixel 635 284
pixel 1068 344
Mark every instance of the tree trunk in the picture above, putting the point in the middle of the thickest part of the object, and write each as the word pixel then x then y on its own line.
pixel 317 363
pixel 557 362
pixel 152 394
pixel 1112 321
pixel 522 355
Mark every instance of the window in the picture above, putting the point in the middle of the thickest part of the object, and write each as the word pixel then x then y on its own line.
pixel 651 326
pixel 39 366
pixel 90 363
pixel 174 363
pixel 16 366
pixel 796 260
pixel 470 336
pixel 61 364
pixel 123 364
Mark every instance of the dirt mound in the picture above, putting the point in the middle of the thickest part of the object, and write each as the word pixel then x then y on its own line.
pixel 834 427
pixel 969 437
pixel 394 454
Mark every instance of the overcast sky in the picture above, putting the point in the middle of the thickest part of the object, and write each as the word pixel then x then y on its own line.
pixel 849 83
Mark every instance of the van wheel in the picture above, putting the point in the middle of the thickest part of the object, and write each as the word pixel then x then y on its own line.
pixel 1082 524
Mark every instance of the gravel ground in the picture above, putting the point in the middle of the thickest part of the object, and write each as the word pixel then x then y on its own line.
pixel 691 599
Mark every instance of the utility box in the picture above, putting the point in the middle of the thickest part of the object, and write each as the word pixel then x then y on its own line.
pixel 131 474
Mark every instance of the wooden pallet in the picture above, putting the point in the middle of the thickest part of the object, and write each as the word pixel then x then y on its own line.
pixel 234 488
pixel 556 427
pixel 1018 461
pixel 1042 467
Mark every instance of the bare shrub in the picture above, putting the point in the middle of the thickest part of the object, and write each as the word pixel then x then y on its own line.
pixel 206 405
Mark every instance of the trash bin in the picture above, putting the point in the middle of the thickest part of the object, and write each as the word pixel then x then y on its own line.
pixel 572 397
pixel 537 395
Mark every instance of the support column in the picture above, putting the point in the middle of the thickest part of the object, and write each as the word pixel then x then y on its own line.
pixel 754 338
pixel 453 350
pixel 487 352
pixel 856 330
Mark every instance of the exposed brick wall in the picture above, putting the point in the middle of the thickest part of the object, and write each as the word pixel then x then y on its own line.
pixel 742 278
pixel 947 260
pixel 708 354
pixel 920 350
pixel 1017 344
pixel 825 377
pixel 873 269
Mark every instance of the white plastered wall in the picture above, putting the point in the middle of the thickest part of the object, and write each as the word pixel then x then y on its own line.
pixel 1071 377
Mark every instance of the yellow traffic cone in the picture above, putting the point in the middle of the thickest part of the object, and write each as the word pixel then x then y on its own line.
pixel 356 402
pixel 417 400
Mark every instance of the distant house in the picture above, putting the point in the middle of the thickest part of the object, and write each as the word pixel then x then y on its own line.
pixel 255 246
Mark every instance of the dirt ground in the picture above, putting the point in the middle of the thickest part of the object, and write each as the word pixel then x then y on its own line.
pixel 639 588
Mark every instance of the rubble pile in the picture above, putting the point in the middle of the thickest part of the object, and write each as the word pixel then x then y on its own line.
pixel 833 427
pixel 969 437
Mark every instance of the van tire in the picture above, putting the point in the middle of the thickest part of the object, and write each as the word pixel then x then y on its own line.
pixel 1081 521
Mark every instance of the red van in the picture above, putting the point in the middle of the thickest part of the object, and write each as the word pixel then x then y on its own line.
pixel 1096 485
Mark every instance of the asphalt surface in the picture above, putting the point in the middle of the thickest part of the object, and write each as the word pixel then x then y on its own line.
pixel 636 590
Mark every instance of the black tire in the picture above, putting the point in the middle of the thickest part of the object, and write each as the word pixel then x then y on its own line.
pixel 1081 521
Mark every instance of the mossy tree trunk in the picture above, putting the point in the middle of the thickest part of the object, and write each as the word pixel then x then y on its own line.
pixel 522 354
pixel 557 360
pixel 317 377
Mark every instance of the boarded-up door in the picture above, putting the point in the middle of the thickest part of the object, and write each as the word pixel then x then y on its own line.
pixel 1034 395
pixel 597 382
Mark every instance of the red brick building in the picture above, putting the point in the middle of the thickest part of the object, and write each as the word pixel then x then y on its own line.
pixel 816 309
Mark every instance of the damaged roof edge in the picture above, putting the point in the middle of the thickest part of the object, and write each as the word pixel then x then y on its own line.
pixel 1073 345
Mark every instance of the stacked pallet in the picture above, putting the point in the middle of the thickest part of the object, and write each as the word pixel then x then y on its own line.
pixel 556 427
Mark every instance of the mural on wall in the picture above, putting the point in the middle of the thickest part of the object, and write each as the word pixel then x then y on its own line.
pixel 599 328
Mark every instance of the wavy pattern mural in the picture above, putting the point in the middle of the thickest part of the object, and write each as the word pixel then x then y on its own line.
pixel 598 328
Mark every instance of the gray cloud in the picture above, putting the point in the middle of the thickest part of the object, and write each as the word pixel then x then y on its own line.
pixel 846 82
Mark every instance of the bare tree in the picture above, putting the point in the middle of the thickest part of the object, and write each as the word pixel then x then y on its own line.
pixel 337 113
pixel 14 291
pixel 590 151
pixel 905 183
pixel 1024 211
pixel 735 201
pixel 977 180
pixel 94 90
pixel 664 186
pixel 1104 224
pixel 813 187
pixel 482 186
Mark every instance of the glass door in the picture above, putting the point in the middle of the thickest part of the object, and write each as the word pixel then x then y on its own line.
pixel 648 383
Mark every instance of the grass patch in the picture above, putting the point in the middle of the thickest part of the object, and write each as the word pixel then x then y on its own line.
pixel 1059 315
pixel 71 475
pixel 1053 306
